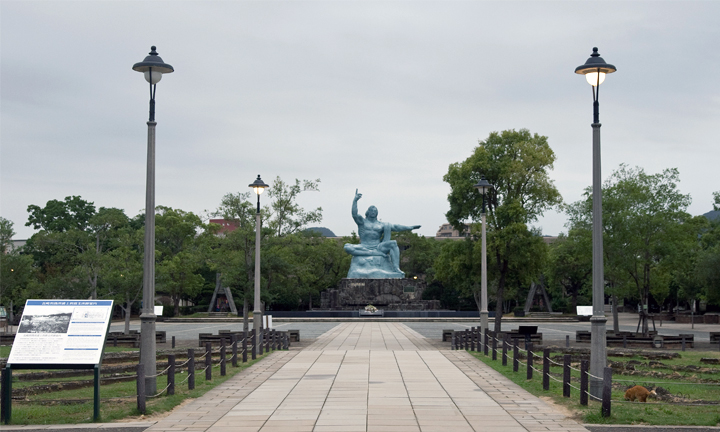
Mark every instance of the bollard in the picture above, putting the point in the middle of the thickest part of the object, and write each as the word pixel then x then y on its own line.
pixel 3 401
pixel 234 350
pixel 253 341
pixel 191 369
pixel 171 375
pixel 567 341
pixel 222 360
pixel 584 365
pixel 515 357
pixel 624 341
pixel 260 335
pixel 606 392
pixel 683 343
pixel 114 340
pixel 208 361
pixel 173 341
pixel 529 362
pixel 566 375
pixel 140 388
pixel 546 369
pixel 494 346
pixel 485 345
pixel 244 347
pixel 504 350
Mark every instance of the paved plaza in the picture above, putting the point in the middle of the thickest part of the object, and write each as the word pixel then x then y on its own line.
pixel 367 377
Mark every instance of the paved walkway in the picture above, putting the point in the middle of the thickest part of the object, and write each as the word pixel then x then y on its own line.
pixel 372 377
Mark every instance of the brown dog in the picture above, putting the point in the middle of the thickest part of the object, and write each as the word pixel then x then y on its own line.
pixel 640 393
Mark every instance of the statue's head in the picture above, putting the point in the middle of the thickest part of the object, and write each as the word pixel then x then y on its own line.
pixel 371 212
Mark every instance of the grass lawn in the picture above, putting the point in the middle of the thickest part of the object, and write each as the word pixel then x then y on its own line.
pixel 623 412
pixel 117 400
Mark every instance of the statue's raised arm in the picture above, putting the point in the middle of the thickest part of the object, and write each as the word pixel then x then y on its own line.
pixel 355 215
pixel 377 256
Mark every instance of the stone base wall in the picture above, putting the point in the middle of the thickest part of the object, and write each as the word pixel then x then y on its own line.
pixel 387 294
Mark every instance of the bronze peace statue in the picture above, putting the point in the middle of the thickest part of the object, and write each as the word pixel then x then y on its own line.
pixel 376 257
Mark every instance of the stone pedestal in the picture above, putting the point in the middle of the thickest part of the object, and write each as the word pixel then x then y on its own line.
pixel 387 294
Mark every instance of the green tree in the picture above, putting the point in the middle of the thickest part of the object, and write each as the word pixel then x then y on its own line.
pixel 122 271
pixel 17 273
pixel 61 216
pixel 517 164
pixel 181 242
pixel 284 215
pixel 645 223
pixel 570 264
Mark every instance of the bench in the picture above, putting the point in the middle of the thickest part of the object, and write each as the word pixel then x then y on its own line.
pixel 132 339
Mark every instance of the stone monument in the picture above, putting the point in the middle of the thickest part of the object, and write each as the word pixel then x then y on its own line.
pixel 376 257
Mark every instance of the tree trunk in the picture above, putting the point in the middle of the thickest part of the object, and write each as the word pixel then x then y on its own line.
pixel 500 299
pixel 176 305
pixel 246 313
pixel 616 321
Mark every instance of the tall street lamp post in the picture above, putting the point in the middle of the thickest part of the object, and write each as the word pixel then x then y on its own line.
pixel 153 68
pixel 595 70
pixel 258 186
pixel 483 186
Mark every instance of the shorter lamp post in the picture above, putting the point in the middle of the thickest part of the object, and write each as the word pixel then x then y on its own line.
pixel 595 70
pixel 483 186
pixel 258 186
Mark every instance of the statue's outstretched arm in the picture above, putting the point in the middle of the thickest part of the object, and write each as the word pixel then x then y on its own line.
pixel 397 227
pixel 355 215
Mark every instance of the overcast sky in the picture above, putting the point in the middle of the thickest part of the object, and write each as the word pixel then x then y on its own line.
pixel 379 96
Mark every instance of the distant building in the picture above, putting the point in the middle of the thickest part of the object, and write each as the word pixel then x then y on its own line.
pixel 226 225
pixel 446 231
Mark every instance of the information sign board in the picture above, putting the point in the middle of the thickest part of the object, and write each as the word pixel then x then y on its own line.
pixel 585 310
pixel 61 332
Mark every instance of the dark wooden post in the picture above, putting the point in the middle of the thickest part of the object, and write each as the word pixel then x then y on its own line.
pixel 472 339
pixel 567 341
pixel 606 392
pixel 114 340
pixel 171 375
pixel 234 350
pixel 453 341
pixel 223 365
pixel 494 346
pixel 584 382
pixel 485 344
pixel 260 334
pixel 267 340
pixel 140 388
pixel 546 369
pixel 4 396
pixel 191 369
pixel 683 343
pixel 173 342
pixel 286 340
pixel 515 356
pixel 624 341
pixel 208 361
pixel 529 361
pixel 566 375
pixel 504 350
pixel 254 344
pixel 244 347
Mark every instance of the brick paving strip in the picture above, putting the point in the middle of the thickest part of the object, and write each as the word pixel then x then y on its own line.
pixel 367 377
